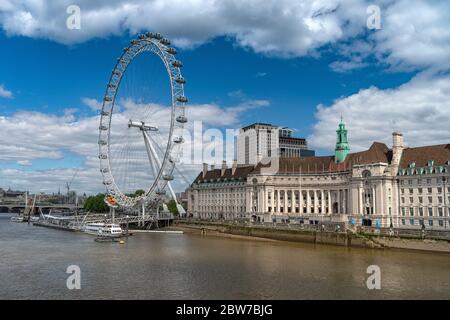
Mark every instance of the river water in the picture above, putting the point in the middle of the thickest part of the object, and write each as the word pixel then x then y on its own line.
pixel 33 263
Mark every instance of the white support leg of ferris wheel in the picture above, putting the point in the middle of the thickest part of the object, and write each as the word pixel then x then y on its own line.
pixel 152 154
pixel 149 149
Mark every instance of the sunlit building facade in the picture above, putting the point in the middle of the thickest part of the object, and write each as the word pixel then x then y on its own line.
pixel 383 187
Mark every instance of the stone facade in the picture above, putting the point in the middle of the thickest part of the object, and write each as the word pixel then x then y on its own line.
pixel 398 187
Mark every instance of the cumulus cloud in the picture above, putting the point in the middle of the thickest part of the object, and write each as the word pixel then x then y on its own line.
pixel 347 66
pixel 414 33
pixel 5 93
pixel 92 103
pixel 278 27
pixel 25 163
pixel 418 108
pixel 29 136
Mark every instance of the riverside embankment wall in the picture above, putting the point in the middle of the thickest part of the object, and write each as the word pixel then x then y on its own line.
pixel 347 239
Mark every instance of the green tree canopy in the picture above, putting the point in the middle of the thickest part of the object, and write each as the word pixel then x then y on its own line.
pixel 172 206
pixel 96 203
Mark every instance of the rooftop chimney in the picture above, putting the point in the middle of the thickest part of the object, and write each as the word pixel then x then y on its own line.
pixel 397 151
pixel 224 168
pixel 233 167
pixel 205 169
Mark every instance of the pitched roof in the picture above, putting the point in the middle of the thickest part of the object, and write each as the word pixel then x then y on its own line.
pixel 378 152
pixel 439 153
pixel 241 172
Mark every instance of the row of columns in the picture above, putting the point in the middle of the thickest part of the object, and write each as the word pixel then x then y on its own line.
pixel 286 198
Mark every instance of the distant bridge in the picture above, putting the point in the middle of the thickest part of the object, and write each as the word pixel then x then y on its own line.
pixel 17 207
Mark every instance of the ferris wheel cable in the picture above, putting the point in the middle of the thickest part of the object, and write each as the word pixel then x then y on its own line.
pixel 178 171
pixel 148 147
pixel 182 176
pixel 122 152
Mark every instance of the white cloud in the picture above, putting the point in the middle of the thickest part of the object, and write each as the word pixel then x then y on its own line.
pixel 5 93
pixel 28 136
pixel 92 103
pixel 281 27
pixel 25 163
pixel 414 33
pixel 418 108
pixel 346 66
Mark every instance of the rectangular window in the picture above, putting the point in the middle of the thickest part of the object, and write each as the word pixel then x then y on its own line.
pixel 403 222
pixel 430 223
pixel 410 182
pixel 441 223
pixel 410 191
pixel 430 212
pixel 420 200
pixel 439 190
pixel 403 211
pixel 420 190
pixel 421 212
pixel 411 211
pixel 411 222
pixel 440 212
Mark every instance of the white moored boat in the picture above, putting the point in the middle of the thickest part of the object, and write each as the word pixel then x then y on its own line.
pixel 18 219
pixel 93 228
pixel 110 230
pixel 101 229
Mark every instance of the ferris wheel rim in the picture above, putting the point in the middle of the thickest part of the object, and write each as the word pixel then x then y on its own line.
pixel 156 44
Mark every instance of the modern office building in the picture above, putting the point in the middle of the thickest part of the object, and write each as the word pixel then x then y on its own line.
pixel 261 140
pixel 402 187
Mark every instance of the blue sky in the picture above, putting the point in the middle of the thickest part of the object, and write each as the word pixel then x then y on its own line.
pixel 308 63
pixel 50 77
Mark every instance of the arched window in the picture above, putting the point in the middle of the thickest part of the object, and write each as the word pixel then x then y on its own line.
pixel 366 174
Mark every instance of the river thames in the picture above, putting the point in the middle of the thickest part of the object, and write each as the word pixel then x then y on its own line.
pixel 184 266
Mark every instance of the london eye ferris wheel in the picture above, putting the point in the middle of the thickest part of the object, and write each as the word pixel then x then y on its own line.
pixel 142 121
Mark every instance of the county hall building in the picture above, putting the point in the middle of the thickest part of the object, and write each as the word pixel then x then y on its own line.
pixel 400 187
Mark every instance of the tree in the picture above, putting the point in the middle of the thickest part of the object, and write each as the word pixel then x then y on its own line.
pixel 139 192
pixel 96 204
pixel 172 206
